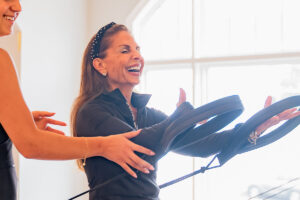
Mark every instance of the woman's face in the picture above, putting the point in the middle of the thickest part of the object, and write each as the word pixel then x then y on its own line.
pixel 9 11
pixel 123 61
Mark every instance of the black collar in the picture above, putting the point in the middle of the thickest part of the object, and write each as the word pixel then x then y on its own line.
pixel 137 100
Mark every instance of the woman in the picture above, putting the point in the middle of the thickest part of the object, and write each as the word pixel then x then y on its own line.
pixel 37 140
pixel 111 68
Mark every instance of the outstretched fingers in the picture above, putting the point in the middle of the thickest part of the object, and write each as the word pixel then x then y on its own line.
pixel 285 115
pixel 182 97
pixel 268 101
pixel 55 122
pixel 48 128
pixel 38 114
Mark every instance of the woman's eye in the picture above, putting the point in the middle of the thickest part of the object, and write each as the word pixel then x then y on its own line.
pixel 124 51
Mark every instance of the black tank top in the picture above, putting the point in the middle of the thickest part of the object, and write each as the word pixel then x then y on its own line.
pixel 8 178
pixel 6 159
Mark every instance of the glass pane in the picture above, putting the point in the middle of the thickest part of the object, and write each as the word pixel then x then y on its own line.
pixel 235 27
pixel 164 83
pixel 254 172
pixel 166 32
pixel 211 28
pixel 291 32
pixel 268 27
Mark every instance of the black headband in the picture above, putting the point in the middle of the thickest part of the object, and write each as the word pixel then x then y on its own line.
pixel 96 43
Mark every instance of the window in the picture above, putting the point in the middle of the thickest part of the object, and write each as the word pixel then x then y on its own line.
pixel 216 48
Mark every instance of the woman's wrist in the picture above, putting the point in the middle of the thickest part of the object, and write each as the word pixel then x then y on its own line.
pixel 94 146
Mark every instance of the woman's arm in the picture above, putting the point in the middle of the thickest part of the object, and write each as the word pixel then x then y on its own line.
pixel 17 121
pixel 31 142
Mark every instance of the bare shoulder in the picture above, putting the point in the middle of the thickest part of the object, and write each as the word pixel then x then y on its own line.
pixel 5 60
pixel 3 53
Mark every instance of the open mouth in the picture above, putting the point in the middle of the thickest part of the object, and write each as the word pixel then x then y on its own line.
pixel 136 68
pixel 10 18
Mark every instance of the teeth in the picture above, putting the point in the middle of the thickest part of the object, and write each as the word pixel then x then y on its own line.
pixel 134 68
pixel 9 18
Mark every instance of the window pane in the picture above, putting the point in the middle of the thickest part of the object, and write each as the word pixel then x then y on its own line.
pixel 254 172
pixel 166 32
pixel 164 83
pixel 291 25
pixel 268 26
pixel 235 27
pixel 211 28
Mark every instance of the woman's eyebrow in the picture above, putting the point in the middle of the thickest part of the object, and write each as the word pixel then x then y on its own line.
pixel 124 45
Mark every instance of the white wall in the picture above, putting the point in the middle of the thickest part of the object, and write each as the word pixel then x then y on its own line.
pixel 102 12
pixel 53 41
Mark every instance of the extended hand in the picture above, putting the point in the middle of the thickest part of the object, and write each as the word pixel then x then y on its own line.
pixel 285 115
pixel 182 97
pixel 41 119
pixel 119 149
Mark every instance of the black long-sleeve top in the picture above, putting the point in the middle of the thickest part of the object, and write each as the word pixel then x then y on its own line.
pixel 109 114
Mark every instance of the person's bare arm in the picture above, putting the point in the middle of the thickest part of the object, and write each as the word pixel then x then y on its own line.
pixel 32 142
pixel 17 120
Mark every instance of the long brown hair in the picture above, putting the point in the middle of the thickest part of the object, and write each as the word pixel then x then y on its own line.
pixel 92 82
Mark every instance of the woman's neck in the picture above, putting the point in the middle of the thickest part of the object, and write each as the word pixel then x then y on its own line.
pixel 126 92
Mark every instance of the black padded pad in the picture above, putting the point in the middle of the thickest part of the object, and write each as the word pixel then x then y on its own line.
pixel 222 112
pixel 239 142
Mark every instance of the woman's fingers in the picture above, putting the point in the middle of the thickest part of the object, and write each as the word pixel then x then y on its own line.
pixel 296 114
pixel 285 115
pixel 268 101
pixel 55 122
pixel 131 134
pixel 140 164
pixel 37 114
pixel 128 169
pixel 136 147
pixel 142 149
pixel 288 114
pixel 48 128
pixel 182 97
pixel 121 150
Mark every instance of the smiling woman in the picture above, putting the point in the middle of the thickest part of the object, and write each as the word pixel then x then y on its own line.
pixel 29 131
pixel 9 13
pixel 111 68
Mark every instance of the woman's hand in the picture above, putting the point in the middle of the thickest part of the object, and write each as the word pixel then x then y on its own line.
pixel 41 119
pixel 119 149
pixel 285 115
pixel 182 97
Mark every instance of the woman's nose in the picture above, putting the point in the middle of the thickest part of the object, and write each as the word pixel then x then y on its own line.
pixel 16 7
pixel 137 55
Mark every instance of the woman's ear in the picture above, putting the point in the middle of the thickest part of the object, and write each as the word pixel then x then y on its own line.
pixel 100 66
